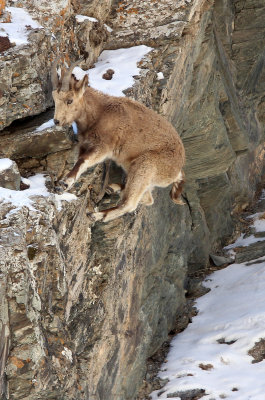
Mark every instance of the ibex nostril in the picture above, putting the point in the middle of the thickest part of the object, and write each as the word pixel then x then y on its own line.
pixel 56 121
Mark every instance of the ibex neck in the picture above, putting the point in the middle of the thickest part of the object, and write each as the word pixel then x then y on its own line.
pixel 82 125
pixel 91 109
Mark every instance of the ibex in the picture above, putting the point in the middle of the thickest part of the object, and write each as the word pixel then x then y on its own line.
pixel 138 139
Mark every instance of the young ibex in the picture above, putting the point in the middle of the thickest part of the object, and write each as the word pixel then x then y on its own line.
pixel 142 142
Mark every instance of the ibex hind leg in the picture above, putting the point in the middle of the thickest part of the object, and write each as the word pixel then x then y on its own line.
pixel 138 182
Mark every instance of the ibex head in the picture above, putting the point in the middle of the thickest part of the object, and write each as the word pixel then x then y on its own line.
pixel 67 94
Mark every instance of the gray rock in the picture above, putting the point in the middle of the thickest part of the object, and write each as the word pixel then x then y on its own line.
pixel 9 174
pixel 219 261
pixel 28 143
pixel 188 394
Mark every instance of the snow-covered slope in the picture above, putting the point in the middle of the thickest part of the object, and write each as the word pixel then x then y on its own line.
pixel 212 353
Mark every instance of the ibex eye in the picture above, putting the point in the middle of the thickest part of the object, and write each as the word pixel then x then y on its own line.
pixel 69 101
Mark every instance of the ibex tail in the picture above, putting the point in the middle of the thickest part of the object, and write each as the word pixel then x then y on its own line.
pixel 177 189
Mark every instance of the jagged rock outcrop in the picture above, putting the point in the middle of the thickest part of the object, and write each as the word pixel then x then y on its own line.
pixel 82 305
pixel 25 69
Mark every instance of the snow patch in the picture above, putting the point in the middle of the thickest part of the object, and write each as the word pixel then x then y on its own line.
pixel 63 197
pixel 26 181
pixel 212 353
pixel 16 30
pixel 37 187
pixel 123 62
pixel 5 163
pixel 67 353
pixel 23 198
pixel 258 225
pixel 81 18
pixel 109 29
pixel 243 241
pixel 233 313
pixel 160 76
pixel 259 222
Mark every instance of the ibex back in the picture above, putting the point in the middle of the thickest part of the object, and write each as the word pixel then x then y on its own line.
pixel 142 142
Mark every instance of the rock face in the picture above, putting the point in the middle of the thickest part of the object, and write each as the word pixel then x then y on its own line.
pixel 25 68
pixel 83 306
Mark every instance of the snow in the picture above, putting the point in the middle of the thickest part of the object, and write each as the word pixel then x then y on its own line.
pixel 232 313
pixel 23 198
pixel 82 18
pixel 63 197
pixel 258 224
pixel 109 29
pixel 123 62
pixel 26 181
pixel 67 354
pixel 16 30
pixel 5 163
pixel 244 241
pixel 160 76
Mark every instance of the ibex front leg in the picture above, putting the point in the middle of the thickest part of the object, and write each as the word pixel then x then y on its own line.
pixel 88 157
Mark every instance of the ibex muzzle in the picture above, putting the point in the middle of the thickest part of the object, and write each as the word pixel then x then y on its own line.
pixel 142 142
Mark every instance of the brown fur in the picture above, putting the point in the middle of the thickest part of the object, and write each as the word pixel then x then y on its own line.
pixel 141 141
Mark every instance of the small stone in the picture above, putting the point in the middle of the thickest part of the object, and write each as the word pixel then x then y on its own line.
pixel 219 261
pixel 206 367
pixel 24 186
pixel 108 74
pixel 258 351
pixel 5 43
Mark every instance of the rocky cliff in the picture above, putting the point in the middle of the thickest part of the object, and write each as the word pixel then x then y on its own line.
pixel 83 306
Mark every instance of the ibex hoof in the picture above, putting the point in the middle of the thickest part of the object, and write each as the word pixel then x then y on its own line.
pixel 113 188
pixel 64 184
pixel 61 186
pixel 95 216
pixel 109 190
pixel 58 189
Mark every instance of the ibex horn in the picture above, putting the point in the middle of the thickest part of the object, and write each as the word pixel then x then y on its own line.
pixel 67 76
pixel 54 75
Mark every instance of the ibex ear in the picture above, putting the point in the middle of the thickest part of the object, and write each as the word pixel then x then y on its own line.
pixel 84 83
pixel 81 86
pixel 73 82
